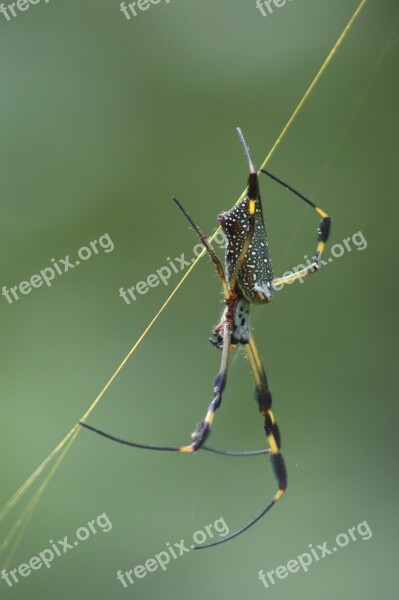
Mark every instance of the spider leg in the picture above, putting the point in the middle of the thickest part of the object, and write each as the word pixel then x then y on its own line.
pixel 209 249
pixel 114 438
pixel 224 335
pixel 264 400
pixel 226 325
pixel 204 428
pixel 323 232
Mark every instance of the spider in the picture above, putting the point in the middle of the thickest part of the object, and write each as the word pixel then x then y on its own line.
pixel 247 278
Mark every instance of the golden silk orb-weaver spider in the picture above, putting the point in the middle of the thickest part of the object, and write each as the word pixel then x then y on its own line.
pixel 247 278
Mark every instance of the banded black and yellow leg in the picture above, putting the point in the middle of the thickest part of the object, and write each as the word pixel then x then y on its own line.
pixel 264 400
pixel 204 428
pixel 323 232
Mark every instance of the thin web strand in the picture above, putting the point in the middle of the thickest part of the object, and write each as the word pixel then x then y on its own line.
pixel 28 512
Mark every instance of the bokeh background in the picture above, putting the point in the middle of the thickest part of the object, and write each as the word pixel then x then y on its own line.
pixel 102 120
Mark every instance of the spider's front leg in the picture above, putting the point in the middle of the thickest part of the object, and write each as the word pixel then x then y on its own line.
pixel 223 333
pixel 323 232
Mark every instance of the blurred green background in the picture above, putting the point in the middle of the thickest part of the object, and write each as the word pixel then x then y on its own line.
pixel 102 120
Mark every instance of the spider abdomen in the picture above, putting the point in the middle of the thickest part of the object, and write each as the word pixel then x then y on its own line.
pixel 256 273
pixel 241 325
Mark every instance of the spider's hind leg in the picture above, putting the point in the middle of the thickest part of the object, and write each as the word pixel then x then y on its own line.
pixel 264 400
